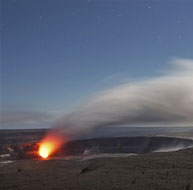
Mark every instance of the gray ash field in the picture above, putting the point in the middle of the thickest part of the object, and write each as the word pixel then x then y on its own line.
pixel 72 169
pixel 152 171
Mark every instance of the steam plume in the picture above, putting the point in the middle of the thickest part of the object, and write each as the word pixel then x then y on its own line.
pixel 163 101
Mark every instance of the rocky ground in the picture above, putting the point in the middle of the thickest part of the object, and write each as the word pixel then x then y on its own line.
pixel 161 171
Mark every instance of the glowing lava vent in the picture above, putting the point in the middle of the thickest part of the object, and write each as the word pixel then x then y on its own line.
pixel 46 148
pixel 50 144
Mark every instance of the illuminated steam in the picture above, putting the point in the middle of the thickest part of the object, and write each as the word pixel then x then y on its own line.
pixel 161 101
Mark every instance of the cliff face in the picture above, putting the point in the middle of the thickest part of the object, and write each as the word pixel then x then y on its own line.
pixel 138 145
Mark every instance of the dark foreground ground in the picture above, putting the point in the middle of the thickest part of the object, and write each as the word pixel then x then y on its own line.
pixel 156 171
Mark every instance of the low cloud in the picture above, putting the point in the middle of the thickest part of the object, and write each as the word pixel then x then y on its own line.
pixel 23 117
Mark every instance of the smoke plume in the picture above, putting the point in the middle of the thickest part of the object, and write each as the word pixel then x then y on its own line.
pixel 163 101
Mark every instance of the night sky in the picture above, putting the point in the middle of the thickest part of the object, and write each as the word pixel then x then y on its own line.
pixel 56 53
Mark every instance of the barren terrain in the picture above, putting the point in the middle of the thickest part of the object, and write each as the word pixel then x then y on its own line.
pixel 161 171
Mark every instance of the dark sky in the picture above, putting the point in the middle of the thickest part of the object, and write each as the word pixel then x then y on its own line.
pixel 57 52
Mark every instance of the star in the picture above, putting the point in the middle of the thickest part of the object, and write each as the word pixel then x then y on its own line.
pixel 179 22
pixel 2 26
pixel 42 42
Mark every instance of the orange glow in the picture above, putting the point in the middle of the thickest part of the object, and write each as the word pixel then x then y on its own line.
pixel 45 149
pixel 50 144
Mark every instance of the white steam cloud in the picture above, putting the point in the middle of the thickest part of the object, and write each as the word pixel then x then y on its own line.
pixel 163 101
